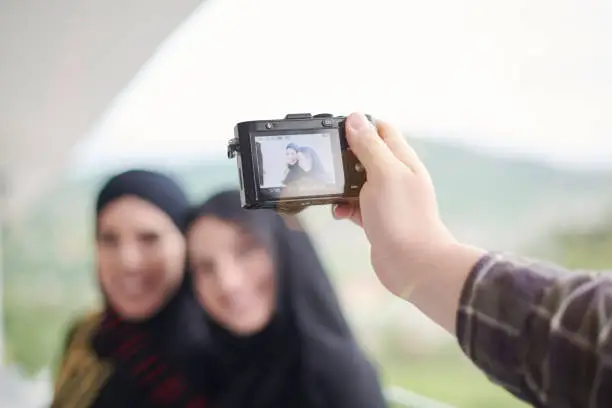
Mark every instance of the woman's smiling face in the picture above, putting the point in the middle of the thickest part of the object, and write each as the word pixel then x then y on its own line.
pixel 233 274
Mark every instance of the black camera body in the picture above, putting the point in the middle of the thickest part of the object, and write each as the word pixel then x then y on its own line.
pixel 295 162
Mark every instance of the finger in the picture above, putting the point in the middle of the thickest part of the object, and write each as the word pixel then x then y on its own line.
pixel 369 148
pixel 348 211
pixel 342 211
pixel 399 146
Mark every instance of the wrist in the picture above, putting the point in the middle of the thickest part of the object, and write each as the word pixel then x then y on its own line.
pixel 441 274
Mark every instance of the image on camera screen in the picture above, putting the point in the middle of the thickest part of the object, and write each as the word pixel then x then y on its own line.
pixel 300 165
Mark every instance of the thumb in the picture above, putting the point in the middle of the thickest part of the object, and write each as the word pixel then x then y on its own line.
pixel 367 145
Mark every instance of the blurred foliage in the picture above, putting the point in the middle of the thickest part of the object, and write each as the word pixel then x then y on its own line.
pixel 585 248
pixel 449 378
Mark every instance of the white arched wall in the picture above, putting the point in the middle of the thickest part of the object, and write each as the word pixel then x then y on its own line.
pixel 63 63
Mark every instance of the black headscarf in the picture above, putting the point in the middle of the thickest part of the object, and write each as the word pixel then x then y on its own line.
pixel 317 171
pixel 141 351
pixel 156 188
pixel 306 356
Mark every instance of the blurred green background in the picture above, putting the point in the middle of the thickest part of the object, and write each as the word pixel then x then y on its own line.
pixel 499 203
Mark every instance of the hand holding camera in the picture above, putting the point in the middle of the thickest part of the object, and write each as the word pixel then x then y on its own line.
pixel 397 206
pixel 413 253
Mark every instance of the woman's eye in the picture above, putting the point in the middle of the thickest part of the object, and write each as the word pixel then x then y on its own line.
pixel 243 251
pixel 203 268
pixel 246 246
pixel 108 240
pixel 149 239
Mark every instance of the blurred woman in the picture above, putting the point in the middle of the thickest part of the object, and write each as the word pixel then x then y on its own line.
pixel 122 357
pixel 276 336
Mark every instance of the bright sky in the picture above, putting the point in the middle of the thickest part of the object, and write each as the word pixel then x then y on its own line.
pixel 526 76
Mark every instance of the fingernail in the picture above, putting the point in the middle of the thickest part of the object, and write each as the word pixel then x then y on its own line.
pixel 335 211
pixel 358 122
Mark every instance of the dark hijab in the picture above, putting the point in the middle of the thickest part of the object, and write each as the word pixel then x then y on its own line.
pixel 141 351
pixel 317 171
pixel 306 356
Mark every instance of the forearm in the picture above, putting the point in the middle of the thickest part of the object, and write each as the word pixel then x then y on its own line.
pixel 445 271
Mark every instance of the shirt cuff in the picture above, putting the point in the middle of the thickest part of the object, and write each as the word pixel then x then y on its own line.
pixel 478 270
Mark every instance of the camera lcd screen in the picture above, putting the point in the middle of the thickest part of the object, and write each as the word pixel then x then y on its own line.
pixel 299 164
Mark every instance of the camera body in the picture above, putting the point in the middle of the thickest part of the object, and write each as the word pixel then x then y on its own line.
pixel 295 162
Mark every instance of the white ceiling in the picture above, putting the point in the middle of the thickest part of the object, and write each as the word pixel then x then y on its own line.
pixel 61 64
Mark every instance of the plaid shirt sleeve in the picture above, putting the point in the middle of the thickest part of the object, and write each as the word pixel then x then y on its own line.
pixel 541 332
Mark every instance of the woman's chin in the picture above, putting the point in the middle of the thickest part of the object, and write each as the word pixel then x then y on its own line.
pixel 248 326
pixel 136 310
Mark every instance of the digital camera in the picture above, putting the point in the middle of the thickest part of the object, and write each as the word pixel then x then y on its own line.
pixel 295 162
